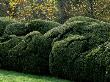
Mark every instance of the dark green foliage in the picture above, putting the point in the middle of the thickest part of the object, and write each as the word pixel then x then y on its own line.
pixel 7 37
pixel 74 49
pixel 42 25
pixel 30 55
pixel 97 32
pixel 4 22
pixel 18 29
pixel 69 60
pixel 96 64
pixel 93 66
pixel 6 46
pixel 63 55
pixel 82 18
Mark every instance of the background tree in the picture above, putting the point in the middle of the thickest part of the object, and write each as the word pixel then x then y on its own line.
pixel 58 10
pixel 4 6
pixel 69 8
pixel 90 8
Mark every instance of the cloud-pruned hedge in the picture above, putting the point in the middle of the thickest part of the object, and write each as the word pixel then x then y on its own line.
pixel 76 50
pixel 4 21
pixel 42 25
pixel 21 29
pixel 68 55
pixel 30 55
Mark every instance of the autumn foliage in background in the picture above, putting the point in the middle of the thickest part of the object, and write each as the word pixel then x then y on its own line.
pixel 57 10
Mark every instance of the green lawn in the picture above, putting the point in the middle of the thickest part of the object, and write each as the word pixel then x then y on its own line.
pixel 9 76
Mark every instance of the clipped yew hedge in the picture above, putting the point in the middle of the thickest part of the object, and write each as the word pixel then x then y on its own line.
pixel 5 46
pixel 21 29
pixel 67 58
pixel 63 55
pixel 94 66
pixel 18 29
pixel 71 59
pixel 42 25
pixel 82 18
pixel 97 63
pixel 77 50
pixel 4 21
pixel 31 55
pixel 97 32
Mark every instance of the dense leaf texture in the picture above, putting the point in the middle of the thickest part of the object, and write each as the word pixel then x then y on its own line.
pixel 3 23
pixel 42 25
pixel 20 29
pixel 30 55
pixel 77 50
pixel 69 51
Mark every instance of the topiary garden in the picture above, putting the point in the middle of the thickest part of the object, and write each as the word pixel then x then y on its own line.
pixel 77 50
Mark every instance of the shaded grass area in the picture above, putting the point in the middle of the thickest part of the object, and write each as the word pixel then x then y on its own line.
pixel 10 76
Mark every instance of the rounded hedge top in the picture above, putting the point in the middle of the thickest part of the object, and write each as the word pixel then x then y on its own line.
pixel 4 21
pixel 42 25
pixel 98 32
pixel 18 29
pixel 82 18
pixel 21 29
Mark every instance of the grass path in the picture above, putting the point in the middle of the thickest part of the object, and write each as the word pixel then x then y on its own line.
pixel 10 76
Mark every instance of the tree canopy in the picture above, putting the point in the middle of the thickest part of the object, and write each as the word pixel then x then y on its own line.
pixel 58 10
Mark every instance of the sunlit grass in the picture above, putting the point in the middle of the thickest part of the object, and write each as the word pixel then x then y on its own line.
pixel 10 76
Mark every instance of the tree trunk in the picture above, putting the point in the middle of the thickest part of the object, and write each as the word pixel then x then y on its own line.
pixel 90 9
pixel 62 13
pixel 3 9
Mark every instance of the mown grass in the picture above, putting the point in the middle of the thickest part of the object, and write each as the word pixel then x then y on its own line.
pixel 10 76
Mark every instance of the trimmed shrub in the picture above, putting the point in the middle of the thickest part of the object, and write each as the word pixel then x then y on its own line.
pixel 6 46
pixel 99 60
pixel 97 32
pixel 42 25
pixel 68 57
pixel 31 55
pixel 96 64
pixel 5 38
pixel 4 21
pixel 63 55
pixel 82 18
pixel 18 29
